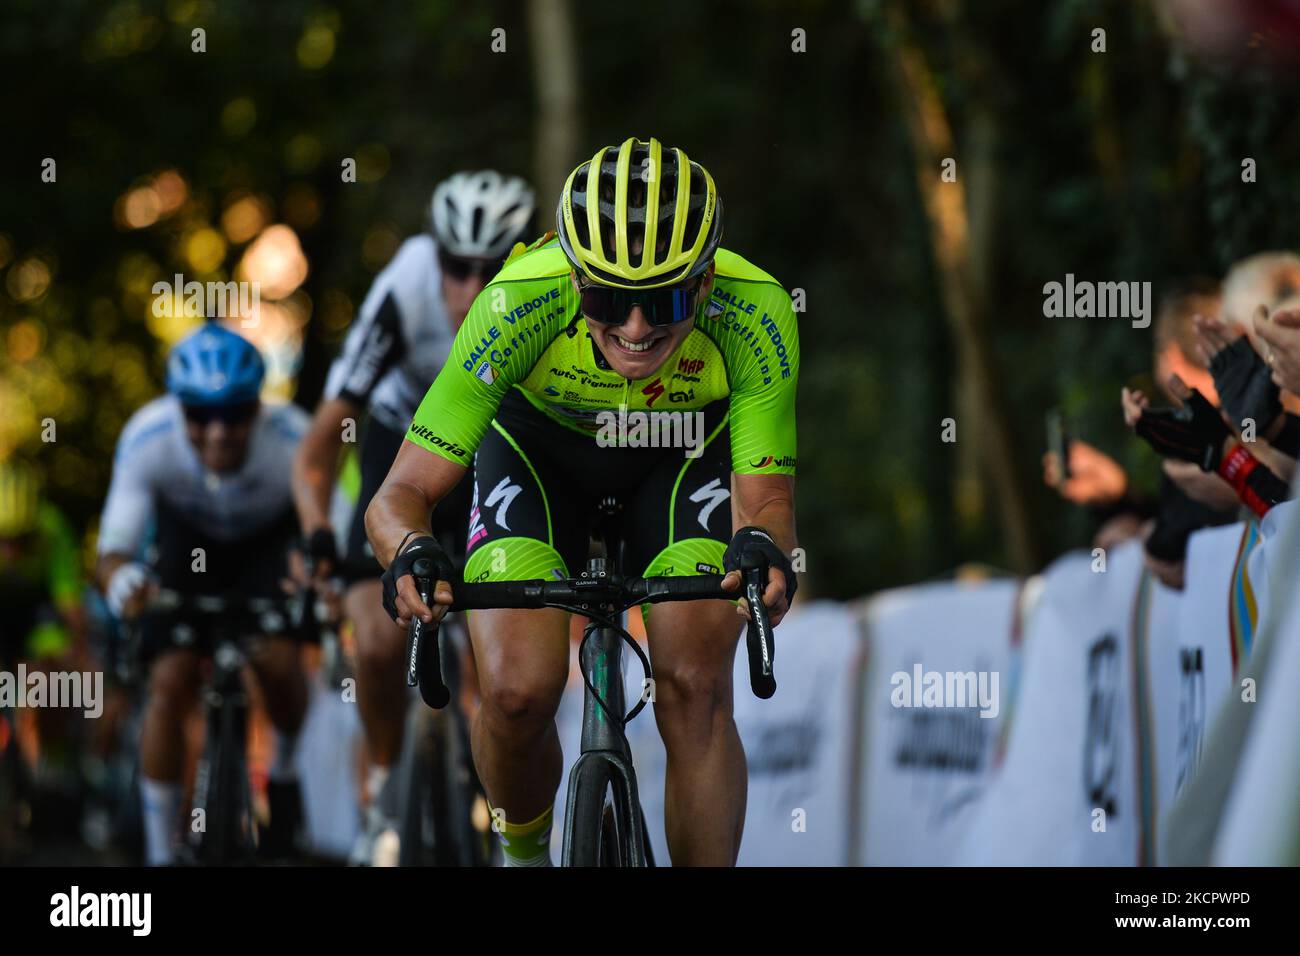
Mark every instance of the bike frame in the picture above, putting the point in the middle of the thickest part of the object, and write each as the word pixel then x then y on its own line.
pixel 605 757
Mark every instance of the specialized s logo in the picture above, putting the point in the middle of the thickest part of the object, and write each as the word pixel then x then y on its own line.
pixel 500 497
pixel 710 496
pixel 767 461
pixel 653 391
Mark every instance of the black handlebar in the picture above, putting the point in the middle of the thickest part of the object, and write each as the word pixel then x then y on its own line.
pixel 423 667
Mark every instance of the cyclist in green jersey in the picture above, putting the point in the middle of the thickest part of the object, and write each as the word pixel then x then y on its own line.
pixel 635 358
pixel 40 571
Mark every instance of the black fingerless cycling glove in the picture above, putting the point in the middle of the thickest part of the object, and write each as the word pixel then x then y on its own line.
pixel 321 546
pixel 422 547
pixel 1192 433
pixel 1245 385
pixel 751 540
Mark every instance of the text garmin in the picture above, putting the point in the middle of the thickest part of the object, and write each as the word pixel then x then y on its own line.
pixel 427 434
pixel 637 429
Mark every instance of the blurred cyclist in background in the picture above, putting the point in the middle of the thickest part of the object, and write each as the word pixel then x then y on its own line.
pixel 42 625
pixel 396 347
pixel 208 465
pixel 40 571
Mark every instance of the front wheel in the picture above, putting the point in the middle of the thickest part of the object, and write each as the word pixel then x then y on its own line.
pixel 598 831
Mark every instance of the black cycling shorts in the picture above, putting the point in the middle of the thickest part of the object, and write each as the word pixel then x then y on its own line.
pixel 253 565
pixel 537 485
pixel 379 446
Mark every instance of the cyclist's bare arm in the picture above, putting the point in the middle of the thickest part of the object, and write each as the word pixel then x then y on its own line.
pixel 767 502
pixel 416 482
pixel 316 462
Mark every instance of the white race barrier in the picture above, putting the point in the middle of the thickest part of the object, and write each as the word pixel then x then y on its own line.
pixel 1190 828
pixel 1117 705
pixel 327 759
pixel 1261 818
pixel 1070 767
pixel 925 769
pixel 798 744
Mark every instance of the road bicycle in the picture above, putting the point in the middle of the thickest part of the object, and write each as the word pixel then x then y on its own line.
pixel 223 828
pixel 604 824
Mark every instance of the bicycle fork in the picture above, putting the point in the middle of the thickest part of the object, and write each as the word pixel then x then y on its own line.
pixel 605 757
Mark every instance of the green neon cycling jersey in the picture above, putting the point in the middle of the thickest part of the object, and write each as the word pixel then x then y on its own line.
pixel 48 567
pixel 525 331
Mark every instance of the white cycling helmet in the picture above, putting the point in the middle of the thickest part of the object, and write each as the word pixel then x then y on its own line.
pixel 480 214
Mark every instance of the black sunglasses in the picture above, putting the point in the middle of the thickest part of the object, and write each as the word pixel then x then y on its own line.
pixel 667 305
pixel 226 414
pixel 460 268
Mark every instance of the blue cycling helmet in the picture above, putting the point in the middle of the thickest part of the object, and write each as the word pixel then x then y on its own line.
pixel 215 366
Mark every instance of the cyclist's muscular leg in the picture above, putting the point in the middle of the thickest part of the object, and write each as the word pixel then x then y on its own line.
pixel 278 666
pixel 381 647
pixel 172 695
pixel 693 647
pixel 523 662
pixel 173 692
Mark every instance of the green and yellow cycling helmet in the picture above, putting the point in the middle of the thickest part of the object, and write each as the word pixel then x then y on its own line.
pixel 639 216
pixel 20 499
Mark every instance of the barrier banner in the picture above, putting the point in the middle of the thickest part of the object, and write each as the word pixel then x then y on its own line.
pixel 1190 827
pixel 1069 792
pixel 1261 819
pixel 327 759
pixel 935 693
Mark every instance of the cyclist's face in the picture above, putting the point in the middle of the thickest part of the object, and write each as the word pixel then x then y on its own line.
pixel 221 446
pixel 636 349
pixel 459 295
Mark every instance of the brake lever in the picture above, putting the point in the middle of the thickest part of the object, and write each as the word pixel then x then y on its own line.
pixel 760 639
pixel 423 661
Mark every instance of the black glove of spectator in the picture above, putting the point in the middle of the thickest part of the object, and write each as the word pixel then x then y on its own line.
pixel 1192 433
pixel 422 547
pixel 1245 385
pixel 755 540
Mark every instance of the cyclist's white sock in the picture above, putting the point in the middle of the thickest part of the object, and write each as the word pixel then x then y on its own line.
pixel 375 780
pixel 282 766
pixel 162 803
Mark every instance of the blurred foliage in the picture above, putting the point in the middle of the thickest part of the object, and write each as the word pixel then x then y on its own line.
pixel 1123 165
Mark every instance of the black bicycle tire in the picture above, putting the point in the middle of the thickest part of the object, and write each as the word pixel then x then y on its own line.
pixel 413 788
pixel 587 822
pixel 611 837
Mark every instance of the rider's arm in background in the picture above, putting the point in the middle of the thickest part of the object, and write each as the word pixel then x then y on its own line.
pixel 375 342
pixel 129 508
pixel 64 569
pixel 316 462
